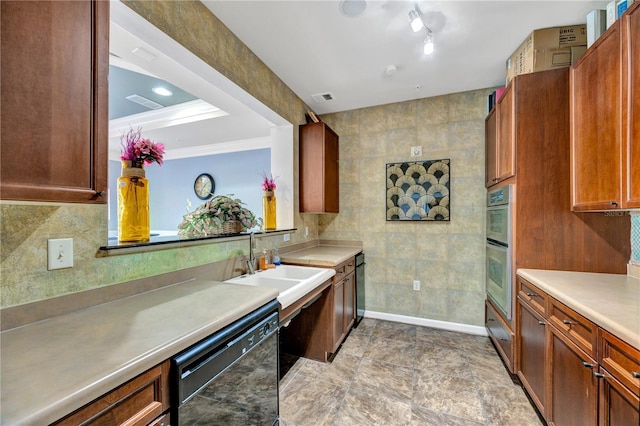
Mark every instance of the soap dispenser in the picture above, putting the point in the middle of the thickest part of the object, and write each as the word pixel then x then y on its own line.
pixel 276 256
pixel 264 260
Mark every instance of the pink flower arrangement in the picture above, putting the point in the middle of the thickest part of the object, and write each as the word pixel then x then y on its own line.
pixel 268 183
pixel 139 150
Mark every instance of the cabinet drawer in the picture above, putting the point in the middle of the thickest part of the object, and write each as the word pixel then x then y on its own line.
pixel 580 330
pixel 531 294
pixel 500 334
pixel 621 360
pixel 344 269
pixel 136 403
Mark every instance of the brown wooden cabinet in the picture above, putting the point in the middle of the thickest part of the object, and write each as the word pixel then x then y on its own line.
pixel 531 343
pixel 631 153
pixel 344 302
pixel 620 381
pixel 319 330
pixel 605 101
pixel 319 182
pixel 575 372
pixel 500 139
pixel 142 401
pixel 55 58
pixel 573 388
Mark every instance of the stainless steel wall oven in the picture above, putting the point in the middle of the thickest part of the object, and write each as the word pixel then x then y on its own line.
pixel 231 377
pixel 499 247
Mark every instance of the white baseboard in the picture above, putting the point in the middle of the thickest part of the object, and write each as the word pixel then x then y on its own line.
pixel 442 325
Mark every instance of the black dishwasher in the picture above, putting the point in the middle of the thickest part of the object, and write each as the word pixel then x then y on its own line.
pixel 359 288
pixel 231 377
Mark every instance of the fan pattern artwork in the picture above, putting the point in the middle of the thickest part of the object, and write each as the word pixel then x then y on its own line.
pixel 418 190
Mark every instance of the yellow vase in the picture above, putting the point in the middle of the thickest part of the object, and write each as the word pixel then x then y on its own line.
pixel 133 204
pixel 269 210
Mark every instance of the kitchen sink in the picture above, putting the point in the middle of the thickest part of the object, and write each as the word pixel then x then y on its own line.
pixel 293 282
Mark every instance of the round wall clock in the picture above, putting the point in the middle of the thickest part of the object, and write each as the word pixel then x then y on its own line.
pixel 204 186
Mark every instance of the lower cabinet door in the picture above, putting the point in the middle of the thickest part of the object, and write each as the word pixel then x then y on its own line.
pixel 618 405
pixel 338 316
pixel 349 302
pixel 573 386
pixel 531 353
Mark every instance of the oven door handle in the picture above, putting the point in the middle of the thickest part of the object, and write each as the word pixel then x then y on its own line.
pixel 496 245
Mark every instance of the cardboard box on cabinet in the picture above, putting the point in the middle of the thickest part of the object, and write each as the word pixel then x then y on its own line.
pixel 548 48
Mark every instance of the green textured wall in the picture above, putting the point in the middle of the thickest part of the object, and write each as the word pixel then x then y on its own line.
pixel 447 257
pixel 25 227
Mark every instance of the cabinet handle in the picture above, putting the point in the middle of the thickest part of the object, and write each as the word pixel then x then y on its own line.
pixel 350 265
pixel 598 375
pixel 567 322
pixel 541 323
pixel 635 374
pixel 490 320
pixel 587 364
pixel 341 270
pixel 100 194
pixel 533 295
pixel 502 339
pixel 613 203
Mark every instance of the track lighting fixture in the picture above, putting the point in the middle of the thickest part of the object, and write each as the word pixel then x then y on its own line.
pixel 428 43
pixel 416 20
pixel 416 25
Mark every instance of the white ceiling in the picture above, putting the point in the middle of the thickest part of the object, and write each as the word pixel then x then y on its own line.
pixel 314 48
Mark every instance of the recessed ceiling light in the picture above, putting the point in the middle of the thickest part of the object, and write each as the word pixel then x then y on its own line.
pixel 352 8
pixel 162 91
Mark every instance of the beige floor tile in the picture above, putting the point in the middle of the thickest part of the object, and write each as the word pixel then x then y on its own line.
pixel 507 406
pixel 360 408
pixel 442 358
pixel 386 380
pixel 421 416
pixel 339 372
pixel 388 373
pixel 447 394
pixel 310 402
pixel 366 326
pixel 394 352
pixel 395 331
pixel 356 344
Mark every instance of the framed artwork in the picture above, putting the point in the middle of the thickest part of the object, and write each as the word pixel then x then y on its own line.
pixel 418 191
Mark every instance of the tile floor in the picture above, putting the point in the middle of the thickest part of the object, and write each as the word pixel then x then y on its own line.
pixel 397 374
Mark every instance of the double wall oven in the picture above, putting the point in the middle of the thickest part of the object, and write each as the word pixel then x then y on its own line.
pixel 499 246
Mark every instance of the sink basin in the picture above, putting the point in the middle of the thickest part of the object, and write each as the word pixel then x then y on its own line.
pixel 293 282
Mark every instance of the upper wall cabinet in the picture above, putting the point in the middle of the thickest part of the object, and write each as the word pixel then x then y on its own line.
pixel 319 185
pixel 605 128
pixel 500 139
pixel 54 130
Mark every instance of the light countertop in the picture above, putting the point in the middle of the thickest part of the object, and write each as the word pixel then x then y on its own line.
pixel 612 301
pixel 321 255
pixel 53 367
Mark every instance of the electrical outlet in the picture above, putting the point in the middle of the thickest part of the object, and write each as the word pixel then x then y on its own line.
pixel 416 285
pixel 286 237
pixel 59 253
pixel 306 232
pixel 416 151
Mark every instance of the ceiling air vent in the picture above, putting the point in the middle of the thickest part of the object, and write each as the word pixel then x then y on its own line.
pixel 144 102
pixel 323 97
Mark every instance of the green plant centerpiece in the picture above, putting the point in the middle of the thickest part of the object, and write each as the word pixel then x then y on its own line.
pixel 221 215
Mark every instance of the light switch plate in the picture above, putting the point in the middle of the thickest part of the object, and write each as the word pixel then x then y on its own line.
pixel 59 253
pixel 416 151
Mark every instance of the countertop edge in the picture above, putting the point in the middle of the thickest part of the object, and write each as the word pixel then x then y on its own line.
pixel 632 337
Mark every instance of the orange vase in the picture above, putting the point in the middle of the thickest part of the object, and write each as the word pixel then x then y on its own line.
pixel 269 210
pixel 133 204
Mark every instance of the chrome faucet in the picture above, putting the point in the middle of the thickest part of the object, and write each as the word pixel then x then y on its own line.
pixel 252 260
